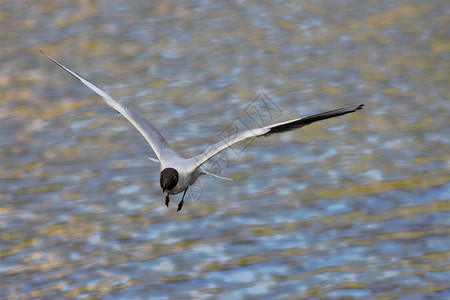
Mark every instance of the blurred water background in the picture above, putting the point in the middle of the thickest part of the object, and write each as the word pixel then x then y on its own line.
pixel 354 207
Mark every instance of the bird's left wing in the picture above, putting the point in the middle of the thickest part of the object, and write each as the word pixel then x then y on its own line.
pixel 150 133
pixel 268 130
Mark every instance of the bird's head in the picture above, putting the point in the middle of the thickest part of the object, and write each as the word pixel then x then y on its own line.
pixel 168 179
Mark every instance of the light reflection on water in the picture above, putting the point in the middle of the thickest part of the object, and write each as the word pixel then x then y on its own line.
pixel 353 207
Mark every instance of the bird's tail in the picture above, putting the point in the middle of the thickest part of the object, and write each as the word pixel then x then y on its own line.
pixel 214 175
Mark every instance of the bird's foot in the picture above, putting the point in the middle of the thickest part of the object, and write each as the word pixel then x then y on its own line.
pixel 167 200
pixel 180 205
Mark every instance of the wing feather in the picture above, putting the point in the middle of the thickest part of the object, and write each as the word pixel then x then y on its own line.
pixel 150 133
pixel 268 130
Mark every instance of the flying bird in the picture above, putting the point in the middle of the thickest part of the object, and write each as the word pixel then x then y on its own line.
pixel 177 173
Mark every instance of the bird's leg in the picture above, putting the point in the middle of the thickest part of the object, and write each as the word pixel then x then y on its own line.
pixel 167 200
pixel 180 205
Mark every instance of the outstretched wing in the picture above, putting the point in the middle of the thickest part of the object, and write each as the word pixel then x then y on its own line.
pixel 150 133
pixel 268 130
pixel 300 122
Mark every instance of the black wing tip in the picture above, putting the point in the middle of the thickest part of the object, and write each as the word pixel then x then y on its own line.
pixel 43 52
pixel 360 107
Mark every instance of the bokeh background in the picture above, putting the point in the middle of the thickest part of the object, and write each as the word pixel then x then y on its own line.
pixel 354 207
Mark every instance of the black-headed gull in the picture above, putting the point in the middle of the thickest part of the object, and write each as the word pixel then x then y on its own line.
pixel 179 173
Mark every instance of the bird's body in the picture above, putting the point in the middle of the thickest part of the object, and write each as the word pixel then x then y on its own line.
pixel 179 173
pixel 187 173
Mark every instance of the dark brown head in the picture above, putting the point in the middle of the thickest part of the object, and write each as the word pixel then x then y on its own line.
pixel 168 179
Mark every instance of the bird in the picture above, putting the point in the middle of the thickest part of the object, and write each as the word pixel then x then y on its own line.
pixel 177 173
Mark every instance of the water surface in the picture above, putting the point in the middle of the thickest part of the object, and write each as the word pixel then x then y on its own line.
pixel 351 207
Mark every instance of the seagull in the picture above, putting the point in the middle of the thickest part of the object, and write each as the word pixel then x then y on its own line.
pixel 177 173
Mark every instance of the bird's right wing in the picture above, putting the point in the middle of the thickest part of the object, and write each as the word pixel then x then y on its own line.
pixel 150 133
pixel 225 143
pixel 268 130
